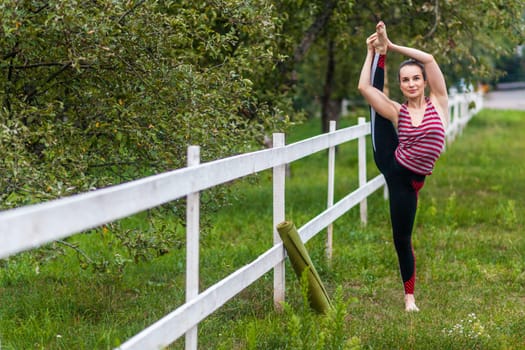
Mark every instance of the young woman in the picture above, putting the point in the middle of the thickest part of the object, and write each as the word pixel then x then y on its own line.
pixel 407 138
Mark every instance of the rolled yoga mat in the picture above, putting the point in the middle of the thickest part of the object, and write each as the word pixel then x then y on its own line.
pixel 300 260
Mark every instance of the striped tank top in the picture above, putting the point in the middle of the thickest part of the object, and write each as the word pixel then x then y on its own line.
pixel 420 146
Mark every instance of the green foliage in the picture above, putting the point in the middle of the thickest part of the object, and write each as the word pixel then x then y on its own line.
pixel 302 328
pixel 513 66
pixel 464 46
pixel 507 214
pixel 96 94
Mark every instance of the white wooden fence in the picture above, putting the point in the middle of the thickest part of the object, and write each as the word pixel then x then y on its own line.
pixel 32 226
pixel 462 108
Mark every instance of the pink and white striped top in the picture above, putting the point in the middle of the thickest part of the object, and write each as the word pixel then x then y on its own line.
pixel 420 146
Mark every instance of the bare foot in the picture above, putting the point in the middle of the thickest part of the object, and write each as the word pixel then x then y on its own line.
pixel 410 303
pixel 381 44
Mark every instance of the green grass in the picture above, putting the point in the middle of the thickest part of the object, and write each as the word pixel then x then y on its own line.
pixel 468 240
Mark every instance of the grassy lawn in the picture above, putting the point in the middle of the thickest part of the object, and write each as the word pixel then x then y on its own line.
pixel 468 241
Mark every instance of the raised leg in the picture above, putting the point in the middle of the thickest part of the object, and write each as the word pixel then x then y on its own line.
pixel 384 135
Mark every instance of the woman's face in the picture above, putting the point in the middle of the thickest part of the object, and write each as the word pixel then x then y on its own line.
pixel 411 81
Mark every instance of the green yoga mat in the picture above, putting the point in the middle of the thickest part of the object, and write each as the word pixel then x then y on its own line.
pixel 300 260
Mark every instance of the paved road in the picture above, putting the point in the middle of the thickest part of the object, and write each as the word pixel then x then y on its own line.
pixel 505 99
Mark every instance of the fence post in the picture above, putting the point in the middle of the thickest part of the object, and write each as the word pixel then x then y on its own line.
pixel 457 116
pixel 464 112
pixel 192 246
pixel 453 115
pixel 279 174
pixel 361 148
pixel 330 199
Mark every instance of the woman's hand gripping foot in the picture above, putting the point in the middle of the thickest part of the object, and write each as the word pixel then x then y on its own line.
pixel 381 43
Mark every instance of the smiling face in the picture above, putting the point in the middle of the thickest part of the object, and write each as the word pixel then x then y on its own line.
pixel 412 81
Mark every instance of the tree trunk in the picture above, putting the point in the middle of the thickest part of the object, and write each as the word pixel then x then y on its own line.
pixel 314 30
pixel 330 108
pixel 310 36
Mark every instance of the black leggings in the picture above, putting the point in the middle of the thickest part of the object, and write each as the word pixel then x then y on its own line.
pixel 403 184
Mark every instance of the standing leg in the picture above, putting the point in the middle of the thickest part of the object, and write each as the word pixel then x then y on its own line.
pixel 403 190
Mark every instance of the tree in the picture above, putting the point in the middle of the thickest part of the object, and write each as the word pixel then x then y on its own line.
pixel 464 45
pixel 95 93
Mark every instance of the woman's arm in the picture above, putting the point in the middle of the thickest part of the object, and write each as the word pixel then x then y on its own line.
pixel 375 97
pixel 435 78
pixel 436 81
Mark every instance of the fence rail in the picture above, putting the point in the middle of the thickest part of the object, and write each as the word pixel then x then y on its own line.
pixel 32 226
